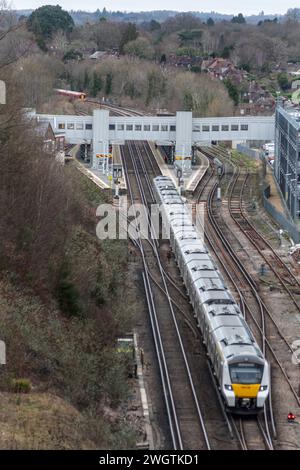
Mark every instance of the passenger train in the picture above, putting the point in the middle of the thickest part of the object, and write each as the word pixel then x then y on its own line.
pixel 241 371
pixel 75 95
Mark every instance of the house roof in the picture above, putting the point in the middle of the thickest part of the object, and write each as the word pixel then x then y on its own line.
pixel 219 62
pixel 43 128
pixel 98 55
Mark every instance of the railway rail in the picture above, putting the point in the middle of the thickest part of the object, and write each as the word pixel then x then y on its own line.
pixel 280 269
pixel 260 318
pixel 118 110
pixel 185 417
pixel 214 236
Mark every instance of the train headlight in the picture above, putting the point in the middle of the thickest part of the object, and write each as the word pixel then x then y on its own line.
pixel 263 388
pixel 228 387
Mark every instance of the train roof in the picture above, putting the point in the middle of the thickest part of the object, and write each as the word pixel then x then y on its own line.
pixel 226 322
pixel 70 92
pixel 216 310
pixel 216 297
pixel 210 284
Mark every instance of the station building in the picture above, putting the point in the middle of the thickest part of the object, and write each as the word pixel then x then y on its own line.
pixel 287 156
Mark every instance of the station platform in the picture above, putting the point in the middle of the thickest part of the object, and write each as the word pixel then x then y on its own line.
pixel 84 168
pixel 102 180
pixel 191 178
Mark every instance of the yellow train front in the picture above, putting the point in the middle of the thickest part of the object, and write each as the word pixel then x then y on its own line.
pixel 245 386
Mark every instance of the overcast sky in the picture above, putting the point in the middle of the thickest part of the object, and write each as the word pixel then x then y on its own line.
pixel 221 6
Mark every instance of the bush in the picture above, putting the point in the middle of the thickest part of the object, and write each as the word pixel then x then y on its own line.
pixel 67 293
pixel 21 385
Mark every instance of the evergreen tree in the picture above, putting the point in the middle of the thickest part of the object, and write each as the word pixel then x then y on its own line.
pixel 129 34
pixel 46 21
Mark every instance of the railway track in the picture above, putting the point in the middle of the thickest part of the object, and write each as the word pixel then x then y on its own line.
pixel 185 417
pixel 280 269
pixel 215 238
pixel 259 316
pixel 118 110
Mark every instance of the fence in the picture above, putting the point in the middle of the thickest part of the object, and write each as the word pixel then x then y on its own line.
pixel 280 218
pixel 252 153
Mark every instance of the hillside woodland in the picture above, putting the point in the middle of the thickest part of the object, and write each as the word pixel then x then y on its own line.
pixel 63 294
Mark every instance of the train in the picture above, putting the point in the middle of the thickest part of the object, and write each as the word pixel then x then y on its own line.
pixel 240 369
pixel 75 95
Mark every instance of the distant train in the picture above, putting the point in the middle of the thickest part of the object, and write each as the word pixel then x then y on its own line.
pixel 75 95
pixel 241 371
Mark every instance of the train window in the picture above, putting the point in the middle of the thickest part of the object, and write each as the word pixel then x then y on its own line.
pixel 129 127
pixel 70 125
pixel 164 128
pixel 196 128
pixel 205 128
pixel 79 126
pixel 244 373
pixel 244 127
pixel 155 128
pixel 138 127
pixel 215 128
pixel 89 126
pixel 147 127
pixel 61 125
pixel 120 127
pixel 234 127
pixel 172 128
pixel 225 128
pixel 112 127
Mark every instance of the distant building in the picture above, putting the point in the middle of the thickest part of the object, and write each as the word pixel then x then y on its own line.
pixel 53 142
pixel 184 61
pixel 44 129
pixel 219 67
pixel 287 156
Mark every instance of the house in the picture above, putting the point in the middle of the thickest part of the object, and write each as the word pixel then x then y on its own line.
pixel 53 142
pixel 185 61
pixel 219 67
pixel 45 131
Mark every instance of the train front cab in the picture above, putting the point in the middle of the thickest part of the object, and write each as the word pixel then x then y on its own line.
pixel 246 385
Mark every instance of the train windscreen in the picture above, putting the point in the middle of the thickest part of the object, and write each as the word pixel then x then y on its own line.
pixel 243 373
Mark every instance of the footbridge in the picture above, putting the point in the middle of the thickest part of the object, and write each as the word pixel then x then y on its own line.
pixel 182 130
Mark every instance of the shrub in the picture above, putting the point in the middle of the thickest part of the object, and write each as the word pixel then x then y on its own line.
pixel 21 385
pixel 67 293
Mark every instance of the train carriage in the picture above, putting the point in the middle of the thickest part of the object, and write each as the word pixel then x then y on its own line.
pixel 241 371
